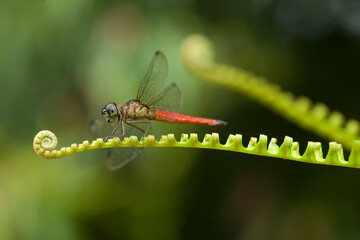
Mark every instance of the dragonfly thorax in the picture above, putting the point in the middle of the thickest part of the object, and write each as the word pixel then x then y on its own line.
pixel 133 109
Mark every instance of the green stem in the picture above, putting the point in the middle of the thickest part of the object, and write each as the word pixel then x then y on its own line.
pixel 45 143
pixel 198 54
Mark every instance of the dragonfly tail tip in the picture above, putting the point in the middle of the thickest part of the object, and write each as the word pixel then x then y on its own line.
pixel 220 123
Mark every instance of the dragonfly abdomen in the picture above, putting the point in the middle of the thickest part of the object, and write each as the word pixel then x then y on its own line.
pixel 170 117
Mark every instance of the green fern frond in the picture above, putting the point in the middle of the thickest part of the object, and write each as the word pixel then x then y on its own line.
pixel 198 57
pixel 45 143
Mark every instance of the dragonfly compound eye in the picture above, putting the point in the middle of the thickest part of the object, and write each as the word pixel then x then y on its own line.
pixel 110 112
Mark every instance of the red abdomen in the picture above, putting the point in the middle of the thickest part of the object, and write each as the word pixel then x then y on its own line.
pixel 170 117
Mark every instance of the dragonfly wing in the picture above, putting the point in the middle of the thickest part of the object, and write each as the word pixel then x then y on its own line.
pixel 99 128
pixel 119 156
pixel 154 80
pixel 169 99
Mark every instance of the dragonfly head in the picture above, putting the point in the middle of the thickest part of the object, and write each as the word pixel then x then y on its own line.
pixel 110 112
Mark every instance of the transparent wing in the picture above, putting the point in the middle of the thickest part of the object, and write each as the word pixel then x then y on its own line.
pixel 153 82
pixel 99 128
pixel 169 99
pixel 116 157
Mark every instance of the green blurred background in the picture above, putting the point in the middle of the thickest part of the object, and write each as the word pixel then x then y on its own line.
pixel 62 60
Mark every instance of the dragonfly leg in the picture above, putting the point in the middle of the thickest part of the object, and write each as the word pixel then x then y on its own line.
pixel 116 128
pixel 139 121
pixel 122 131
pixel 131 121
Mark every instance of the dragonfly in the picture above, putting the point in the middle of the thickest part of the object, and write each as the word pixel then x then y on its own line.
pixel 153 102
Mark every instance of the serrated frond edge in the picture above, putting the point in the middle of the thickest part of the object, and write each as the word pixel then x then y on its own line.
pixel 45 143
